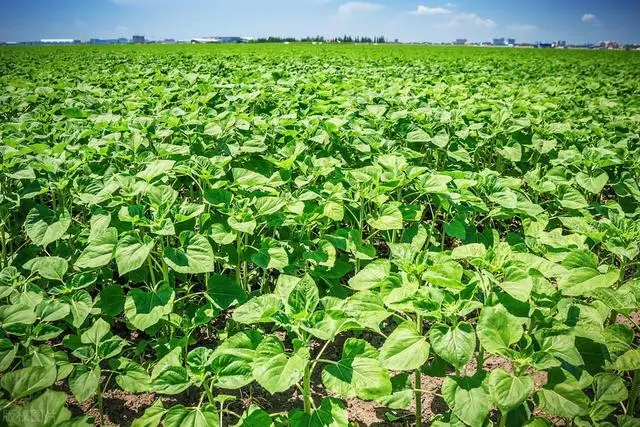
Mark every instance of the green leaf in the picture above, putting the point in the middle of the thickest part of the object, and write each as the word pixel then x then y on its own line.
pixel 260 309
pixel 333 210
pixel 132 377
pixel 112 300
pixel 44 226
pixel 498 329
pixel 100 250
pixel 468 398
pixel 456 229
pixel 155 169
pixel 145 309
pixel 303 298
pixel 84 382
pixel 593 184
pixel 609 388
pixel 455 344
pixel 194 256
pixel 388 218
pixel 26 381
pixel 563 401
pixel 471 250
pixel 179 416
pixel 509 391
pixel 151 416
pixel 52 268
pixel 629 361
pixel 371 275
pixel 46 410
pixel 132 252
pixel 276 371
pixel 405 349
pixel 358 373
pixel 95 333
pixel 224 292
pixel 331 413
pixel 8 352
pixel 584 281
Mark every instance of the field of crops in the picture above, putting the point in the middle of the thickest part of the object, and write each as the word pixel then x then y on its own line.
pixel 319 236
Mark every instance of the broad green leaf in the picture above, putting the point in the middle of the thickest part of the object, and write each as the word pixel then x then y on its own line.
pixel 145 309
pixel 388 218
pixel 593 184
pixel 498 329
pixel 44 226
pixel 358 373
pixel 276 371
pixel 371 275
pixel 455 344
pixel 405 349
pixel 224 292
pixel 151 417
pixel 100 250
pixel 180 416
pixel 331 413
pixel 46 410
pixel 84 382
pixel 509 391
pixel 132 252
pixel 26 381
pixel 194 256
pixel 468 398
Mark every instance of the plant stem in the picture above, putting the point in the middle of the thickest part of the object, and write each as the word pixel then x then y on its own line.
pixel 307 389
pixel 418 382
pixel 153 276
pixel 634 394
pixel 4 247
pixel 503 419
pixel 238 266
pixel 100 404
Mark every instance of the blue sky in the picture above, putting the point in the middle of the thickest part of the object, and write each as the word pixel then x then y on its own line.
pixel 576 21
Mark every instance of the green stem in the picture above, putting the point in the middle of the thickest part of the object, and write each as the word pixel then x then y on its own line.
pixel 634 394
pixel 418 385
pixel 238 265
pixel 503 419
pixel 4 247
pixel 210 394
pixel 100 404
pixel 307 389
pixel 153 276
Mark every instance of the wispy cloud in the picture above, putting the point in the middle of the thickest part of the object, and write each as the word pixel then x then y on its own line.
pixel 590 18
pixel 452 5
pixel 469 20
pixel 352 7
pixel 426 10
pixel 523 28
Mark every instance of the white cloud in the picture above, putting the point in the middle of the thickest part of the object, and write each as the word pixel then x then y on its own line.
pixel 592 19
pixel 426 10
pixel 452 5
pixel 469 19
pixel 523 28
pixel 352 7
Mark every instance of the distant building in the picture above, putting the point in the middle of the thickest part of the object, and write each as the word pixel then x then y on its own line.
pixel 544 45
pixel 220 39
pixel 121 40
pixel 137 39
pixel 460 42
pixel 60 41
pixel 205 40
pixel 561 44
pixel 499 42
pixel 511 42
